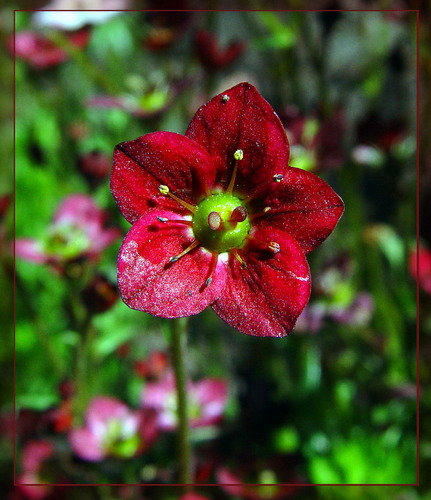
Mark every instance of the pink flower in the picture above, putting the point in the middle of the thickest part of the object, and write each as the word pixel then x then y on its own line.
pixel 220 219
pixel 112 429
pixel 77 231
pixel 207 401
pixel 424 265
pixel 33 456
pixel 40 52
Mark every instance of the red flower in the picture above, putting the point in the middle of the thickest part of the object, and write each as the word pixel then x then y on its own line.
pixel 40 52
pixel 211 55
pixel 424 265
pixel 220 219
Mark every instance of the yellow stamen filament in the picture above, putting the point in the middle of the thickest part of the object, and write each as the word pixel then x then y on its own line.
pixel 256 215
pixel 179 221
pixel 195 244
pixel 238 155
pixel 234 252
pixel 165 190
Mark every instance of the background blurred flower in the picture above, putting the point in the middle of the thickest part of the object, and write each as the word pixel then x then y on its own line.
pixel 78 230
pixel 154 367
pixel 266 483
pixel 41 52
pixel 211 55
pixel 165 27
pixel 112 429
pixel 95 166
pixel 316 142
pixel 99 295
pixel 33 456
pixel 207 401
pixel 419 265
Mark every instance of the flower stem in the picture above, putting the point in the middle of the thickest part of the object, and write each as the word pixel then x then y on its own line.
pixel 178 346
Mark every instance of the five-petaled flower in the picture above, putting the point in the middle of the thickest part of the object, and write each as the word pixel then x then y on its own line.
pixel 220 219
pixel 77 231
pixel 207 401
pixel 113 429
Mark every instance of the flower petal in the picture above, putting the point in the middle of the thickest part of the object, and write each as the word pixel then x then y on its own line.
pixel 102 409
pixel 147 279
pixel 266 297
pixel 29 249
pixel 86 445
pixel 160 158
pixel 240 118
pixel 301 204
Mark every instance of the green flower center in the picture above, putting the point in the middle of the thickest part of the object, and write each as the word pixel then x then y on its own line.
pixel 221 222
pixel 66 240
pixel 121 439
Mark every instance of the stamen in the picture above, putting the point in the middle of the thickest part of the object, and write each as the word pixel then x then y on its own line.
pixel 254 216
pixel 238 155
pixel 179 221
pixel 165 190
pixel 238 257
pixel 195 244
pixel 212 269
pixel 239 214
pixel 274 247
pixel 225 98
pixel 214 221
pixel 275 178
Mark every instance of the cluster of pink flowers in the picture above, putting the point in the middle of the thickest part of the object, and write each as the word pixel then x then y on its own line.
pixel 111 428
pixel 77 231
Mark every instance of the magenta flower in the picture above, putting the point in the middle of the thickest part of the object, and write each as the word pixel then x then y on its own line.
pixel 40 52
pixel 112 429
pixel 207 401
pixel 34 454
pixel 78 231
pixel 421 270
pixel 220 219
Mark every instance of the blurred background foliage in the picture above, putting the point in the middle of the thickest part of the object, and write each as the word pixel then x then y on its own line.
pixel 335 402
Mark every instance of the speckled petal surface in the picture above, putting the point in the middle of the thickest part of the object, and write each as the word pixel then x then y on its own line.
pixel 301 204
pixel 240 118
pixel 266 297
pixel 161 158
pixel 150 283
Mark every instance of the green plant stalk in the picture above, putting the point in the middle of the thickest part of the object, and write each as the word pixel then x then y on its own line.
pixel 81 322
pixel 178 346
pixel 98 75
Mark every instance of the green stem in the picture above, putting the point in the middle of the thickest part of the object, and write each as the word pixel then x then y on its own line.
pixel 96 74
pixel 178 346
